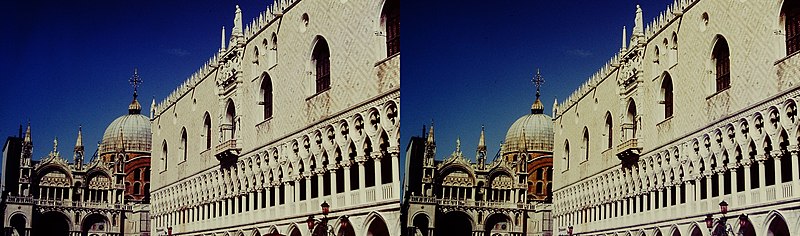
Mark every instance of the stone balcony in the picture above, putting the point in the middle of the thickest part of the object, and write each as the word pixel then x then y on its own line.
pixel 629 151
pixel 227 150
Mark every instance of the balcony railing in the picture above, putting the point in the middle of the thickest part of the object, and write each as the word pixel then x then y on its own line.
pixel 227 150
pixel 629 151
pixel 67 203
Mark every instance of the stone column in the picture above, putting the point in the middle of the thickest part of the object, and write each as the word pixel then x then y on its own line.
pixel 376 157
pixel 333 180
pixel 361 174
pixel 795 172
pixel 777 155
pixel 394 152
pixel 361 180
pixel 347 186
pixel 307 179
pixel 762 180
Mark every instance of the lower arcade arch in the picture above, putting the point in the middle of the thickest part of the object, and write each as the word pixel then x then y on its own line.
pixel 777 226
pixel 94 223
pixel 455 223
pixel 18 224
pixel 695 231
pixel 345 227
pixel 377 227
pixel 421 223
pixel 497 224
pixel 51 223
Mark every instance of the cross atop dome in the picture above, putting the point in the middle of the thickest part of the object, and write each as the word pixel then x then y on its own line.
pixel 537 80
pixel 135 81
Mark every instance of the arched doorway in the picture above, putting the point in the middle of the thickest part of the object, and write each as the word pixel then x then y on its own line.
pixel 746 228
pixel 778 227
pixel 18 223
pixel 497 224
pixel 345 228
pixel 294 232
pixel 51 223
pixel 421 223
pixel 696 231
pixel 377 228
pixel 454 223
pixel 94 224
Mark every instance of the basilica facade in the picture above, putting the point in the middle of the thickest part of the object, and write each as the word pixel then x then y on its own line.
pixel 298 109
pixel 691 129
pixel 105 196
pixel 509 195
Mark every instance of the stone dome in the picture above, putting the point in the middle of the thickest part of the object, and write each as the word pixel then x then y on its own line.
pixel 134 129
pixel 530 133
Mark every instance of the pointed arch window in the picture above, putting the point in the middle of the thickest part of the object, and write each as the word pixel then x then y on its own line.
pixel 722 64
pixel 229 128
pixel 609 130
pixel 322 65
pixel 184 144
pixel 391 20
pixel 566 155
pixel 585 144
pixel 164 152
pixel 791 19
pixel 266 95
pixel 666 95
pixel 207 128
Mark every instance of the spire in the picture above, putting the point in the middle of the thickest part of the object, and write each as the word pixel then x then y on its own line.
pixel 458 145
pixel 79 142
pixel 624 38
pixel 430 135
pixel 237 23
pixel 555 105
pixel 78 154
pixel 135 80
pixel 537 107
pixel 638 28
pixel 222 43
pixel 55 146
pixel 482 141
pixel 28 134
pixel 153 107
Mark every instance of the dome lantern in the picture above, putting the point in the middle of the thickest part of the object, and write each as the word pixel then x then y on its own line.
pixel 532 132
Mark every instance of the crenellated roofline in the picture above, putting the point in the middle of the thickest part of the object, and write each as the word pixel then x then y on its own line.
pixel 673 12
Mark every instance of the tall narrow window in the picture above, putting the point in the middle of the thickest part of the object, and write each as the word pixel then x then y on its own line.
pixel 137 174
pixel 184 144
pixel 207 127
pixel 322 64
pixel 266 95
pixel 723 64
pixel 791 14
pixel 609 130
pixel 391 20
pixel 585 146
pixel 230 119
pixel 566 155
pixel 164 153
pixel 666 95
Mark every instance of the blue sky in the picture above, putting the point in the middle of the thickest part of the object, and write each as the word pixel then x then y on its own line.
pixel 465 63
pixel 67 63
pixel 470 64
